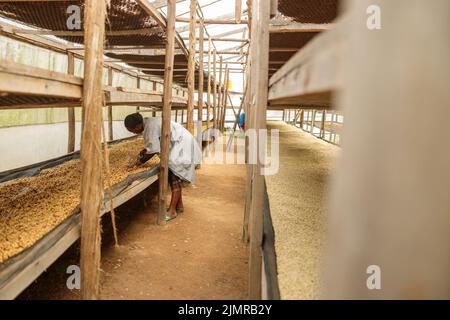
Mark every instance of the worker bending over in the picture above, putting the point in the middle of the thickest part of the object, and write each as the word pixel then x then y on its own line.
pixel 184 154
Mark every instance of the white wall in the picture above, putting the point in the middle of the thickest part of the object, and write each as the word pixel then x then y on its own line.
pixel 25 145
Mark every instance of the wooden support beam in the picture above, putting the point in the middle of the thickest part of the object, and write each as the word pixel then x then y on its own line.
pixel 296 27
pixel 219 95
pixel 231 32
pixel 61 33
pixel 110 111
pixel 302 118
pixel 208 107
pixel 215 21
pixel 22 79
pixel 152 12
pixel 200 85
pixel 248 124
pixel 215 89
pixel 260 56
pixel 91 155
pixel 138 86
pixel 166 114
pixel 225 100
pixel 322 125
pixel 219 39
pixel 191 67
pixel 313 121
pixel 312 74
pixel 238 11
pixel 71 110
pixel 273 8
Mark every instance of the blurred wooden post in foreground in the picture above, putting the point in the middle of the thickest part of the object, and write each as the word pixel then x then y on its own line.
pixel 167 110
pixel 390 207
pixel 91 154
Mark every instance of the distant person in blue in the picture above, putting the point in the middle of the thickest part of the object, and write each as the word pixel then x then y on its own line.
pixel 242 121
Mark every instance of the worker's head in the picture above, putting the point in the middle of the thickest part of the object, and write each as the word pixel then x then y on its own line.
pixel 134 123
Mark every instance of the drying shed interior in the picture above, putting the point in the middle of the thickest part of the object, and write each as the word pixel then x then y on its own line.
pixel 309 114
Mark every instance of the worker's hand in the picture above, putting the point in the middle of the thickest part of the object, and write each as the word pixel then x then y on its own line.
pixel 133 163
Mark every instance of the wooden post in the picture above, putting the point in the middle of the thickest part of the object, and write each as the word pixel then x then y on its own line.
pixel 273 8
pixel 224 112
pixel 313 121
pixel 91 154
pixel 200 85
pixel 249 168
pixel 110 114
pixel 176 115
pixel 208 107
pixel 302 118
pixel 333 134
pixel 238 10
pixel 191 67
pixel 71 110
pixel 215 90
pixel 182 116
pixel 260 39
pixel 138 85
pixel 322 125
pixel 166 113
pixel 219 103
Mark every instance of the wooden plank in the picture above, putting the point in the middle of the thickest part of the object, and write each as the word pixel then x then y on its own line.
pixel 296 27
pixel 62 33
pixel 166 114
pixel 313 74
pixel 21 79
pixel 215 21
pixel 50 44
pixel 91 155
pixel 219 39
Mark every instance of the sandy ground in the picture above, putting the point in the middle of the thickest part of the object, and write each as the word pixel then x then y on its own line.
pixel 297 196
pixel 199 255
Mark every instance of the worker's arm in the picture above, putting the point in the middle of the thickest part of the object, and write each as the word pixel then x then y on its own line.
pixel 144 156
pixel 141 159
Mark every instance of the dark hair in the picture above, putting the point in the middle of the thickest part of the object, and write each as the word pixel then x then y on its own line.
pixel 132 120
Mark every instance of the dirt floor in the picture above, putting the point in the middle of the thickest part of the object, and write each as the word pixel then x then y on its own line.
pixel 199 255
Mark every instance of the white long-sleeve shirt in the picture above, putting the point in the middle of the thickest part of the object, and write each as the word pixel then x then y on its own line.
pixel 184 151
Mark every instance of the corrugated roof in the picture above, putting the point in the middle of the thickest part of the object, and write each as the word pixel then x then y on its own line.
pixel 310 11
pixel 122 15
